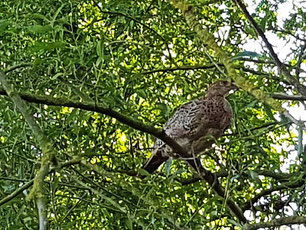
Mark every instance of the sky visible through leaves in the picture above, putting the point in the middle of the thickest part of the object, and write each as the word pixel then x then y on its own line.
pixel 283 48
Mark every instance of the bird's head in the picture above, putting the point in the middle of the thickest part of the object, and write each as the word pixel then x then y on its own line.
pixel 220 88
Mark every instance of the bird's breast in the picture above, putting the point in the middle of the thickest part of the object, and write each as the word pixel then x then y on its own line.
pixel 218 113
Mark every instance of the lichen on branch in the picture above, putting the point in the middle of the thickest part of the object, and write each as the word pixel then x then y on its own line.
pixel 45 145
pixel 207 38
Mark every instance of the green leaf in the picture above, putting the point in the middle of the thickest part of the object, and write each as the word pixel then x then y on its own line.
pixel 57 75
pixel 46 46
pixel 141 93
pixel 164 108
pixel 143 172
pixel 269 112
pixel 56 14
pixel 234 223
pixel 263 23
pixel 100 49
pixel 3 26
pixel 214 213
pixel 129 223
pixel 39 16
pixel 40 29
pixel 250 54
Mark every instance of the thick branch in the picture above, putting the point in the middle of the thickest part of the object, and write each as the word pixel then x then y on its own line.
pixel 91 106
pixel 42 213
pixel 276 222
pixel 45 145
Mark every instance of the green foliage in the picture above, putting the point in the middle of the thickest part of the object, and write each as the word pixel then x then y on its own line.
pixel 129 56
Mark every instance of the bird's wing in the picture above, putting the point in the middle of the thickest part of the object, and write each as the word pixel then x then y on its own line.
pixel 187 119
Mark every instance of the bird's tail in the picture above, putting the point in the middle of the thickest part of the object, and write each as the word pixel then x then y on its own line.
pixel 155 161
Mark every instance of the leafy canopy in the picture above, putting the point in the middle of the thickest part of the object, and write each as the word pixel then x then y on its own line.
pixel 141 59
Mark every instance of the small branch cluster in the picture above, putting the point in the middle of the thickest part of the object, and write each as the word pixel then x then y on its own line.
pixel 45 145
pixel 207 38
pixel 276 223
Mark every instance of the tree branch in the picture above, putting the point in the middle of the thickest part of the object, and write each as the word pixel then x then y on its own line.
pixel 263 193
pixel 196 67
pixel 136 124
pixel 224 173
pixel 16 193
pixel 276 223
pixel 261 33
pixel 89 106
pixel 137 21
pixel 30 183
pixel 282 68
pixel 256 61
pixel 207 38
pixel 301 57
pixel 45 145
pixel 290 33
pixel 17 67
pixel 179 68
pixel 282 96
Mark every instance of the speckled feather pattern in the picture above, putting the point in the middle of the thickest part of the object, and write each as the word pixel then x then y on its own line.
pixel 195 124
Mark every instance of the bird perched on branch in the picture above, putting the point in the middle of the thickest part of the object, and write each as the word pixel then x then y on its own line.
pixel 195 125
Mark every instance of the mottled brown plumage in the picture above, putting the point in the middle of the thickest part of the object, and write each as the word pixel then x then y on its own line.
pixel 196 124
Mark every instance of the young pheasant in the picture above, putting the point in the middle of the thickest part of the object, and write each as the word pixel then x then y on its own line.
pixel 196 124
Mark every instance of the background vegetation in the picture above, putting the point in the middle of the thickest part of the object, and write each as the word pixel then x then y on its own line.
pixel 100 78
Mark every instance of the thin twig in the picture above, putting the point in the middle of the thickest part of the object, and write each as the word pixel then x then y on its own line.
pixel 282 68
pixel 17 67
pixel 223 173
pixel 282 96
pixel 252 201
pixel 276 223
pixel 261 33
pixel 45 145
pixel 179 68
pixel 30 183
pixel 16 193
pixel 137 21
